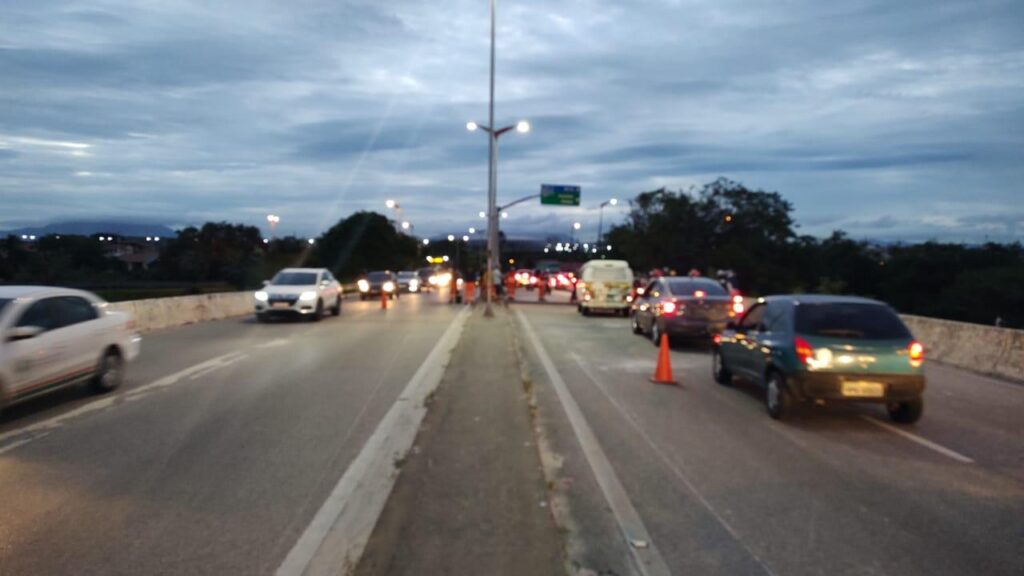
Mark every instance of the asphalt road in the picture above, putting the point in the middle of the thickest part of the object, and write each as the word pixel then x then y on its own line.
pixel 218 452
pixel 719 488
pixel 237 448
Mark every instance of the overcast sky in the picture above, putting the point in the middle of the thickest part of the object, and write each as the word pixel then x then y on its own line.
pixel 889 119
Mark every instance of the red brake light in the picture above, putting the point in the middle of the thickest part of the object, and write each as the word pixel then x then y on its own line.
pixel 738 308
pixel 699 294
pixel 639 291
pixel 669 307
pixel 717 338
pixel 916 352
pixel 737 299
pixel 803 350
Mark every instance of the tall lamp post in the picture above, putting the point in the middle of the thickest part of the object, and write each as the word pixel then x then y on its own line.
pixel 393 205
pixel 272 220
pixel 492 170
pixel 600 218
pixel 572 232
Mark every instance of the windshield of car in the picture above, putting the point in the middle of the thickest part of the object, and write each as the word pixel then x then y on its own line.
pixel 406 275
pixel 850 320
pixel 378 276
pixel 689 286
pixel 294 279
pixel 608 274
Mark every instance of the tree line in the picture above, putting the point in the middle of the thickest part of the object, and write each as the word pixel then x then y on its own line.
pixel 725 225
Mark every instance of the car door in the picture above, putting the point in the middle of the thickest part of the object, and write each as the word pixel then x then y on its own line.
pixel 39 361
pixel 85 334
pixel 764 336
pixel 747 342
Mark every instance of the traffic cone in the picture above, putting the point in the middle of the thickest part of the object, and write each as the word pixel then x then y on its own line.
pixel 663 372
pixel 383 300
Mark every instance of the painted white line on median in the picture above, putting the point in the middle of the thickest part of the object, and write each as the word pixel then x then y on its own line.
pixel 647 560
pixel 919 440
pixel 671 465
pixel 334 540
pixel 42 428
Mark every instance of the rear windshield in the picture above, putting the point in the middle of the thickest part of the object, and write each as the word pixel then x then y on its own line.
pixel 609 274
pixel 378 276
pixel 294 279
pixel 850 320
pixel 406 274
pixel 687 286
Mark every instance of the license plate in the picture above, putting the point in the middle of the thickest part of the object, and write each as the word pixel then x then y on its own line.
pixel 863 389
pixel 280 305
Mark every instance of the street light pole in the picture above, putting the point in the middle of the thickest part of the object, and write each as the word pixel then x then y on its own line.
pixel 600 218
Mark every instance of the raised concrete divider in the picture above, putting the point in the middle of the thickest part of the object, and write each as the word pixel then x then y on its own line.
pixel 984 349
pixel 156 313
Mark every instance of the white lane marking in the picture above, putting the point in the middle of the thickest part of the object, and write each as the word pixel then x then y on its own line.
pixel 335 538
pixel 42 428
pixel 633 421
pixel 647 560
pixel 274 342
pixel 922 441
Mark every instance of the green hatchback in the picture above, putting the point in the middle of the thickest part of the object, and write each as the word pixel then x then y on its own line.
pixel 817 347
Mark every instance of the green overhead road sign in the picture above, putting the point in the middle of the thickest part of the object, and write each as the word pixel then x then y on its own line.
pixel 560 195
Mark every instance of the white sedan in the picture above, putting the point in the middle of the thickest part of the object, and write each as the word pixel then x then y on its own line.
pixel 299 292
pixel 55 337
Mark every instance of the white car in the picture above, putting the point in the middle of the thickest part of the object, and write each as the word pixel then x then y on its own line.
pixel 55 337
pixel 299 292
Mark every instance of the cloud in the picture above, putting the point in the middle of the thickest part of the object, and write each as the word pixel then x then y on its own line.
pixel 864 114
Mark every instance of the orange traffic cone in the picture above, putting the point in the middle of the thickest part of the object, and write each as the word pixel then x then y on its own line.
pixel 663 372
pixel 383 300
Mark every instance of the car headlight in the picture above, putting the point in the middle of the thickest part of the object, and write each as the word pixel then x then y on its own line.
pixel 307 296
pixel 389 286
pixel 414 285
pixel 364 286
pixel 262 296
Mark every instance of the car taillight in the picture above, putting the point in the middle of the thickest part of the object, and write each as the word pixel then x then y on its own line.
pixel 717 338
pixel 916 352
pixel 803 350
pixel 699 294
pixel 737 304
pixel 639 291
pixel 669 307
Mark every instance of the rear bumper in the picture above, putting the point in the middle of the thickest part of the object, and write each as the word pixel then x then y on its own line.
pixel 829 386
pixel 690 327
pixel 605 304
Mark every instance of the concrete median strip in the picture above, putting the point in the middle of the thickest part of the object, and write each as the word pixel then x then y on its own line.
pixel 646 558
pixel 334 540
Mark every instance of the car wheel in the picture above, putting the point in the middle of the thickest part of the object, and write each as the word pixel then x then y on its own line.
pixel 718 369
pixel 906 412
pixel 777 398
pixel 109 373
pixel 336 309
pixel 635 324
pixel 318 314
pixel 655 333
pixel 585 311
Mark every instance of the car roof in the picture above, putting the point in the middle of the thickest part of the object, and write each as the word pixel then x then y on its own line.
pixel 302 270
pixel 822 299
pixel 34 291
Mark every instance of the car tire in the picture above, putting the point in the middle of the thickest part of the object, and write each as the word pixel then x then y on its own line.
pixel 635 324
pixel 109 372
pixel 585 311
pixel 318 314
pixel 655 332
pixel 777 398
pixel 336 309
pixel 906 412
pixel 721 373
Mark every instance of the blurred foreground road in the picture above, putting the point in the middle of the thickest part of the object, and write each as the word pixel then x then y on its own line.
pixel 244 448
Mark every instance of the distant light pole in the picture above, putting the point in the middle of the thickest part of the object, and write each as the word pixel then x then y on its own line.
pixel 272 220
pixel 600 217
pixel 572 232
pixel 393 205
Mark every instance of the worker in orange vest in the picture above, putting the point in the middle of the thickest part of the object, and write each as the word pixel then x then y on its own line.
pixel 510 286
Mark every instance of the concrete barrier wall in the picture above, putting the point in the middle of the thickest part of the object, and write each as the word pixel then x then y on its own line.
pixel 157 313
pixel 985 349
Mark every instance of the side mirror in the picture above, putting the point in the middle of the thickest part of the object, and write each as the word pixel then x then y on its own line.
pixel 23 333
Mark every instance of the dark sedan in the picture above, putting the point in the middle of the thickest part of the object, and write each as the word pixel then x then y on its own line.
pixel 376 282
pixel 682 307
pixel 835 348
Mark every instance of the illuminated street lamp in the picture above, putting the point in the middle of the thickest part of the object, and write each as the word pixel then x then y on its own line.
pixel 272 220
pixel 406 225
pixel 426 241
pixel 600 217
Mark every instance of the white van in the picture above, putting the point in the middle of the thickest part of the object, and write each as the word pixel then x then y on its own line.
pixel 604 285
